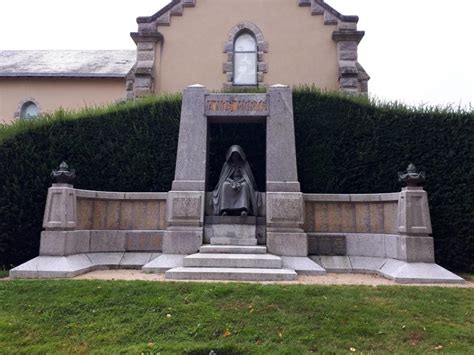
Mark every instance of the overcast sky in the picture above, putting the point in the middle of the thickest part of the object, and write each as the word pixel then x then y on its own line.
pixel 416 51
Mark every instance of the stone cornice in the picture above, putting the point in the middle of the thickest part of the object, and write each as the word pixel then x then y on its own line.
pixel 163 17
pixel 354 36
pixel 331 15
pixel 146 36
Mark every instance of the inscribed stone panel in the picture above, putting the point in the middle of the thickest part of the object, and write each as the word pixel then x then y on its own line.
pixel 84 213
pixel 113 215
pixel 99 219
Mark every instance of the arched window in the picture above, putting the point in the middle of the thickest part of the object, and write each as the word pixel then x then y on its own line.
pixel 29 110
pixel 245 48
pixel 245 60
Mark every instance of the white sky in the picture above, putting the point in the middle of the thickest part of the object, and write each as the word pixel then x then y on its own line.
pixel 416 51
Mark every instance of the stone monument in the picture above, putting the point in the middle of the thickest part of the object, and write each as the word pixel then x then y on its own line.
pixel 236 232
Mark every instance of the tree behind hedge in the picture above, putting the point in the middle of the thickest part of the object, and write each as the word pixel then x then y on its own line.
pixel 343 146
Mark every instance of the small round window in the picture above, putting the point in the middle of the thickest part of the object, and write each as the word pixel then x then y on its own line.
pixel 29 110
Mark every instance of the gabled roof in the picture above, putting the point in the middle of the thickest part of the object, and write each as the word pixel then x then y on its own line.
pixel 67 63
pixel 175 8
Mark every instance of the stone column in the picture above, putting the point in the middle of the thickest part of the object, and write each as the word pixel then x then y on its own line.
pixel 141 79
pixel 284 200
pixel 187 196
pixel 347 39
pixel 414 226
pixel 60 210
pixel 60 219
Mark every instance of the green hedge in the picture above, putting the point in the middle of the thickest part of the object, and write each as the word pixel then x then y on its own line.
pixel 129 147
pixel 343 145
pixel 355 147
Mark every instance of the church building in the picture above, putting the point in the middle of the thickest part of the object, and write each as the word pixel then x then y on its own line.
pixel 221 44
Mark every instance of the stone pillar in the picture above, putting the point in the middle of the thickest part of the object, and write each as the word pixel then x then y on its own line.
pixel 414 226
pixel 284 200
pixel 186 200
pixel 60 210
pixel 140 81
pixel 282 174
pixel 347 39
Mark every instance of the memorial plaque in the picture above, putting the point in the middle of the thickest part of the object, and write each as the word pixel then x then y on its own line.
pixel 327 244
pixel 236 105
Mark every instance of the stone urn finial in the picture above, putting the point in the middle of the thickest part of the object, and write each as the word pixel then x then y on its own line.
pixel 63 175
pixel 411 177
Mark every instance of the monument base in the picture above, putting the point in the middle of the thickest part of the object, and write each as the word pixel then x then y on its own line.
pixel 44 267
pixel 396 270
pixel 181 241
pixel 287 243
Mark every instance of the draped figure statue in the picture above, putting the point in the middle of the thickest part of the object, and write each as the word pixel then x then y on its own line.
pixel 236 192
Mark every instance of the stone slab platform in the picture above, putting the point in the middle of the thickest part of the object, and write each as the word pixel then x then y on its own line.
pixel 74 265
pixel 302 265
pixel 396 270
pixel 233 241
pixel 43 267
pixel 233 249
pixel 261 261
pixel 234 274
pixel 163 263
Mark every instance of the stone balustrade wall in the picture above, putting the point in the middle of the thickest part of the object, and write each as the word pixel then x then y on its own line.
pixel 362 213
pixel 120 211
pixel 389 225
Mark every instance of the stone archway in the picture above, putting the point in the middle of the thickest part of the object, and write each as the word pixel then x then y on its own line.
pixel 284 201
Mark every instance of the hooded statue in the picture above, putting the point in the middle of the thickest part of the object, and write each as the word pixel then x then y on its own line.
pixel 236 192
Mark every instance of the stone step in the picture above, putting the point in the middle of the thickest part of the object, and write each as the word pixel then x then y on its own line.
pixel 235 274
pixel 233 249
pixel 261 261
pixel 233 241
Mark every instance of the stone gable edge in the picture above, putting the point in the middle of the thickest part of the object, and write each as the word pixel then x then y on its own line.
pixel 175 8
pixel 346 36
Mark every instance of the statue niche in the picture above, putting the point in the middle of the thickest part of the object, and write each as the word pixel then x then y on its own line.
pixel 236 192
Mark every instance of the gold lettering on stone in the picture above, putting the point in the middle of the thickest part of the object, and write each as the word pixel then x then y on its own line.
pixel 233 105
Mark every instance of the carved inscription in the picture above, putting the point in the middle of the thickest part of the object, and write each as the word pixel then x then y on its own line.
pixel 186 207
pixel 327 245
pixel 237 105
pixel 233 105
pixel 283 209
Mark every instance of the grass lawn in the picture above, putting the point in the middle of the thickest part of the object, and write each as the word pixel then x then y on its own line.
pixel 3 273
pixel 134 317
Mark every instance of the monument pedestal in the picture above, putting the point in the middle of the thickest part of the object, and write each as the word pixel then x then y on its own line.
pixel 285 235
pixel 231 230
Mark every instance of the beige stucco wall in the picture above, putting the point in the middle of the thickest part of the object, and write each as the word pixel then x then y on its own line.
pixel 52 94
pixel 300 50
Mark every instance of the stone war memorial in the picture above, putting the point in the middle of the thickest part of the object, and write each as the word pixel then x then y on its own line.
pixel 233 231
pixel 250 220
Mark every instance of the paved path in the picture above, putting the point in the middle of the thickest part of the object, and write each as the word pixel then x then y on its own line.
pixel 328 279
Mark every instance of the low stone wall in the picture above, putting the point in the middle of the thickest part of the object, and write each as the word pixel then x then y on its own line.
pixel 120 211
pixel 390 225
pixel 82 221
pixel 368 213
pixel 371 225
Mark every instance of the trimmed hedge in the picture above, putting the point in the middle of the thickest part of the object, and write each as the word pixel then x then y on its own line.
pixel 344 145
pixel 128 147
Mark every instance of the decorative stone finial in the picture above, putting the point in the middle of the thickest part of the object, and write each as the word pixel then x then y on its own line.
pixel 63 175
pixel 411 177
